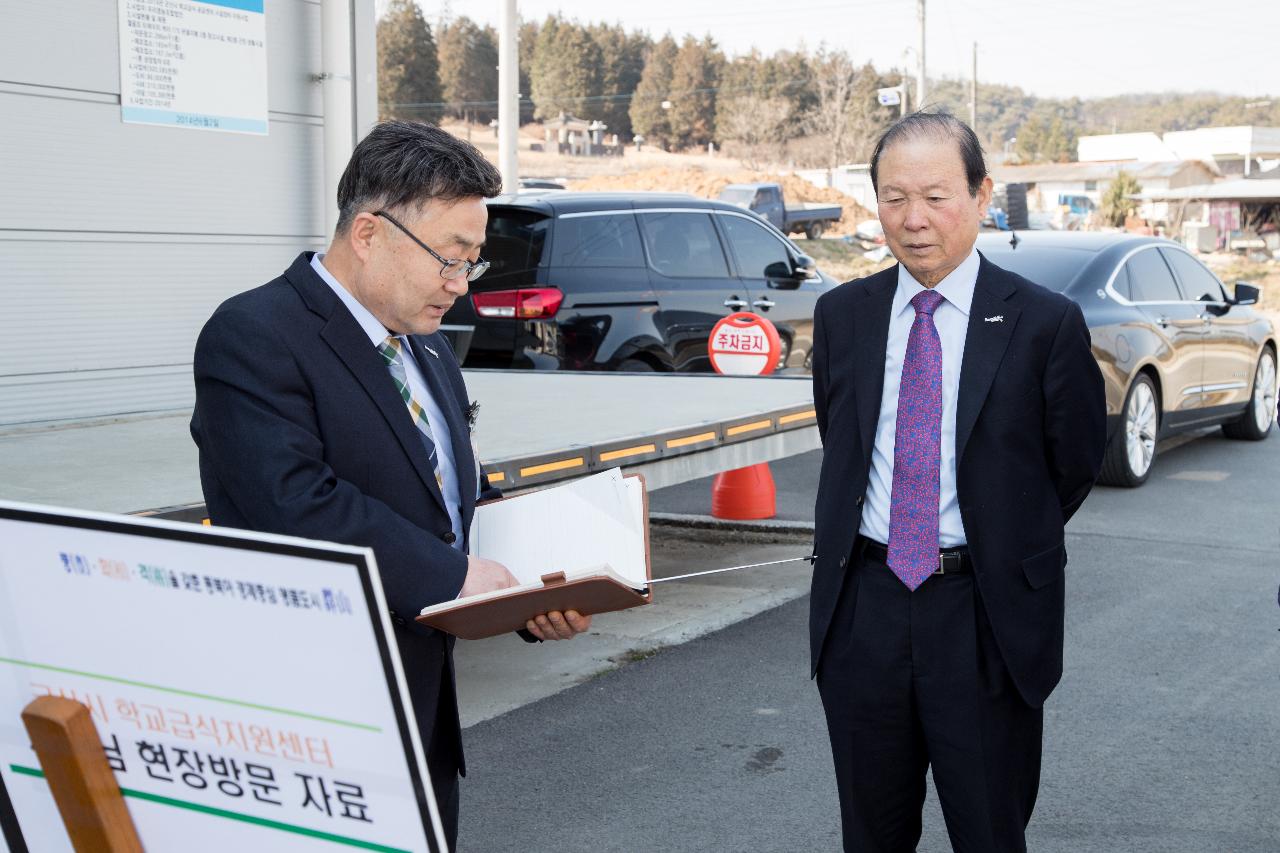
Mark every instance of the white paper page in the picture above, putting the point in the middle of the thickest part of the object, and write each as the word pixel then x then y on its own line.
pixel 569 528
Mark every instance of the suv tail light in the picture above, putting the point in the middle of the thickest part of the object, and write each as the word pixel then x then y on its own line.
pixel 527 303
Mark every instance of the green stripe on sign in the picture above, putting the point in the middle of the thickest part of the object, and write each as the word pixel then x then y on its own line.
pixel 238 702
pixel 243 818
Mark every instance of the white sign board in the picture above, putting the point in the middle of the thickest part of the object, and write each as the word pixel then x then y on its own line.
pixel 194 63
pixel 889 97
pixel 247 688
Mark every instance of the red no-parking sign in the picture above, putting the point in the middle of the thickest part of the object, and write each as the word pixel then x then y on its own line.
pixel 744 344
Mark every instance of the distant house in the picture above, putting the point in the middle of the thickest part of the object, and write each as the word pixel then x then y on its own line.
pixel 1050 185
pixel 1238 210
pixel 1232 151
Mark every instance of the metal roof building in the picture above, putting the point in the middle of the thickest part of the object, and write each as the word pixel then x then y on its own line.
pixel 1245 190
pixel 1232 150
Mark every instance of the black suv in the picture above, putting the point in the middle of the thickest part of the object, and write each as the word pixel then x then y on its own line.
pixel 628 281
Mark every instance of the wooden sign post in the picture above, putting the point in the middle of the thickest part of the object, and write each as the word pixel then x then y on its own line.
pixel 66 742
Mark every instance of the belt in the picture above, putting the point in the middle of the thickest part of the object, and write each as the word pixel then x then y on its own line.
pixel 951 561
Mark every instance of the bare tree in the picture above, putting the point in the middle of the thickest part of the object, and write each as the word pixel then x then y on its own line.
pixel 758 123
pixel 833 76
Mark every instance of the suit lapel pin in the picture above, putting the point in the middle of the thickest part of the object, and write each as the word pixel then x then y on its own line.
pixel 999 318
pixel 430 350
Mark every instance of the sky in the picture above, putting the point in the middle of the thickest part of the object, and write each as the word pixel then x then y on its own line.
pixel 1051 48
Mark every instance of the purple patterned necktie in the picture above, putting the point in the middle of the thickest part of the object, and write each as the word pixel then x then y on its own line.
pixel 917 450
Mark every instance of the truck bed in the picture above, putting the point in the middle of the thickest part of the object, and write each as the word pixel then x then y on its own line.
pixel 811 211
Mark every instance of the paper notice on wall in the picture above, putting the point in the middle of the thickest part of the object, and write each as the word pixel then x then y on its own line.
pixel 194 64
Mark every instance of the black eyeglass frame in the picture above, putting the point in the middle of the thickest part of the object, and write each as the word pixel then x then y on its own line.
pixel 471 270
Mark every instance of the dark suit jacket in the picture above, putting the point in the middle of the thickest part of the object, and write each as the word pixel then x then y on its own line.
pixel 302 432
pixel 1030 434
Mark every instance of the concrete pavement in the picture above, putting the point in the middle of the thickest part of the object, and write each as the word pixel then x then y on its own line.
pixel 503 673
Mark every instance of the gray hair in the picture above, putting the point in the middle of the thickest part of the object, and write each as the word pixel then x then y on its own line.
pixel 936 125
pixel 406 164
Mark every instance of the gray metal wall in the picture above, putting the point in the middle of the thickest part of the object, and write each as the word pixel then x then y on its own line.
pixel 118 240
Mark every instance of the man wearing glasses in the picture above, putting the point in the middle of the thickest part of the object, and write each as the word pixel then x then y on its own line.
pixel 329 406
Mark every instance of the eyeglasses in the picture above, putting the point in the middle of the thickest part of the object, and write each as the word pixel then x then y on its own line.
pixel 452 268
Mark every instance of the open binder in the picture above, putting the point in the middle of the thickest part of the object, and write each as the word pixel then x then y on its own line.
pixel 581 546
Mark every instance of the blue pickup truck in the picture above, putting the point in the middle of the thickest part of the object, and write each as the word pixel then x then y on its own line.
pixel 765 201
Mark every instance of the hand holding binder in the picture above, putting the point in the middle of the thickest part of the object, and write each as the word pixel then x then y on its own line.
pixel 485 576
pixel 582 546
pixel 558 626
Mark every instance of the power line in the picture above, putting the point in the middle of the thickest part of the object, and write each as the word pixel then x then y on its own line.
pixel 622 96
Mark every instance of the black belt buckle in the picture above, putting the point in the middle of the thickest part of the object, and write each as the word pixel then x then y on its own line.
pixel 953 561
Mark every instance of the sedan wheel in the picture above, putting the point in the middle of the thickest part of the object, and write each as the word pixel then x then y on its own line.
pixel 1133 447
pixel 1255 423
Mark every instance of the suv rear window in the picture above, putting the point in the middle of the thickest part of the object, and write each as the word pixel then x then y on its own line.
pixel 513 240
pixel 607 240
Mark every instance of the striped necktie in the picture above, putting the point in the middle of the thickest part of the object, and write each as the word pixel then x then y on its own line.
pixel 391 353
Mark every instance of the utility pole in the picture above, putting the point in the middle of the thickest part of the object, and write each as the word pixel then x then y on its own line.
pixel 920 84
pixel 973 92
pixel 508 108
pixel 339 118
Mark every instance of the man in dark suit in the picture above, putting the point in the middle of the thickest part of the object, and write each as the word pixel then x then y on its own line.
pixel 329 406
pixel 962 417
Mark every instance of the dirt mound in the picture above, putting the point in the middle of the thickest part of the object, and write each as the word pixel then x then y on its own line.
pixel 706 184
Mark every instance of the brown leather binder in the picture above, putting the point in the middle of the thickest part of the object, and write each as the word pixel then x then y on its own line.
pixel 508 611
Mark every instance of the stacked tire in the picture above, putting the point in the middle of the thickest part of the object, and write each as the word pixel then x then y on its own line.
pixel 1017 207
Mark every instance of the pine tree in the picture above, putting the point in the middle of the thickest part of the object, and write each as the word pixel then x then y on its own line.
pixel 648 118
pixel 469 69
pixel 694 75
pixel 1046 140
pixel 743 81
pixel 525 48
pixel 1116 204
pixel 408 70
pixel 791 75
pixel 622 63
pixel 566 72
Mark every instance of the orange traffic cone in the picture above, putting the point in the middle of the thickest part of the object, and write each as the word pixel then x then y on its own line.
pixel 744 493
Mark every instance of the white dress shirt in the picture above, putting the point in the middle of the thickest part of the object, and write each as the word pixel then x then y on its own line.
pixel 418 387
pixel 952 322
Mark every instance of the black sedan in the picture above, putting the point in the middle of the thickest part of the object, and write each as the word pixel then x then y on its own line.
pixel 1176 351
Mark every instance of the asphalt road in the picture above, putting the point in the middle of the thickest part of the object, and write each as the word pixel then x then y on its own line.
pixel 1163 735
